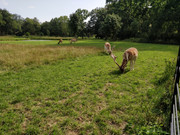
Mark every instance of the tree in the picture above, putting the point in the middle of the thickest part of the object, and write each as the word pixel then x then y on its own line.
pixel 64 21
pixel 111 26
pixel 133 13
pixel 73 24
pixel 97 17
pixel 55 27
pixel 31 26
pixel 2 23
pixel 37 26
pixel 6 22
pixel 77 22
pixel 166 21
pixel 17 24
pixel 45 28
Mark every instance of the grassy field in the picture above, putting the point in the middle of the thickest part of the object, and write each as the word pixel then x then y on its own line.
pixel 17 38
pixel 46 88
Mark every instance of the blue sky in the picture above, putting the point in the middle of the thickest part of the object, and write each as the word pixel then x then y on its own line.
pixel 45 10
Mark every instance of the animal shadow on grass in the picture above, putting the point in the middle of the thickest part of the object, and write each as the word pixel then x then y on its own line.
pixel 118 72
pixel 103 53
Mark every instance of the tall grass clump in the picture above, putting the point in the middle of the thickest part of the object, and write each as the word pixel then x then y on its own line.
pixel 14 57
pixel 168 73
pixel 164 92
pixel 165 84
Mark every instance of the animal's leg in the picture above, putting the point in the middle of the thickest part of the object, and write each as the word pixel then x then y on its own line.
pixel 132 65
pixel 105 50
pixel 134 60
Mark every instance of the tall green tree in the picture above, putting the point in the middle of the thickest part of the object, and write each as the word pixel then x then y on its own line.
pixel 6 21
pixel 64 21
pixel 111 26
pixel 10 23
pixel 73 24
pixel 31 26
pixel 97 17
pixel 55 27
pixel 2 23
pixel 165 20
pixel 77 22
pixel 134 14
pixel 45 28
pixel 17 24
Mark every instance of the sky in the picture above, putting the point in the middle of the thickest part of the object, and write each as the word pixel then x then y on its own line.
pixel 45 10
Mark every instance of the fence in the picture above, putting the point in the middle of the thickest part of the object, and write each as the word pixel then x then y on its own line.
pixel 174 122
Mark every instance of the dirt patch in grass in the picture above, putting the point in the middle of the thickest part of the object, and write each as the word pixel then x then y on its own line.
pixel 72 133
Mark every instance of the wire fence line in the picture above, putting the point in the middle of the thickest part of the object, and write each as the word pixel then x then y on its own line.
pixel 175 107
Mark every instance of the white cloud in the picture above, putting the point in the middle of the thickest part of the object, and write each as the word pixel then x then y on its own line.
pixel 4 2
pixel 31 7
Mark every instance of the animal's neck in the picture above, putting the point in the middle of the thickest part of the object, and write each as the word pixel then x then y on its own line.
pixel 110 52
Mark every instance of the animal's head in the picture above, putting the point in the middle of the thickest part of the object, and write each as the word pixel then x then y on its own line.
pixel 124 64
pixel 107 46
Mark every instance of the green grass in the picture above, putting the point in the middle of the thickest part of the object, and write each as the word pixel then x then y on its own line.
pixel 87 94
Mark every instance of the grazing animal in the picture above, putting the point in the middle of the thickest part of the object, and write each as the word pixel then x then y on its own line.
pixel 60 41
pixel 107 48
pixel 131 55
pixel 73 40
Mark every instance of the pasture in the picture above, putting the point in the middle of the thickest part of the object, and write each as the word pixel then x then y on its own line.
pixel 73 89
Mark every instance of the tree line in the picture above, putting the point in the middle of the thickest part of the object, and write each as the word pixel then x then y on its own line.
pixel 152 20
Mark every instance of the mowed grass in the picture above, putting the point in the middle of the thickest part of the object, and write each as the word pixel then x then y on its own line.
pixel 82 90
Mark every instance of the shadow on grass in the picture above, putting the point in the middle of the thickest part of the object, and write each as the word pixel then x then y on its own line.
pixel 118 72
pixel 102 53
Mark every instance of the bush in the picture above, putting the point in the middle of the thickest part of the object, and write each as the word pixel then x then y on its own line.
pixel 168 73
pixel 165 88
pixel 151 130
pixel 27 34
